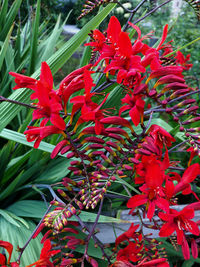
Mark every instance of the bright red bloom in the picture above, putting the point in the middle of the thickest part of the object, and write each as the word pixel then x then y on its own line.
pixel 130 233
pixel 23 81
pixel 189 176
pixel 178 221
pixel 9 247
pixel 180 59
pixel 48 107
pixel 38 133
pixel 71 84
pixel 161 136
pixel 92 112
pixel 135 105
pixel 130 253
pixel 81 100
pixel 45 255
pixel 152 191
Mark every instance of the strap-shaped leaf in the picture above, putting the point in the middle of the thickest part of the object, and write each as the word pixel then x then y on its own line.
pixel 7 110
pixel 10 18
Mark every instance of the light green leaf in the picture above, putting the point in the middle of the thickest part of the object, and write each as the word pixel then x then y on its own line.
pixel 8 218
pixel 91 217
pixel 28 208
pixel 10 18
pixel 18 236
pixel 5 46
pixel 18 219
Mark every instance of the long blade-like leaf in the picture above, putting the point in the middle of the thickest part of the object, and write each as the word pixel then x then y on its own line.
pixel 10 18
pixel 7 110
pixel 34 40
pixel 5 46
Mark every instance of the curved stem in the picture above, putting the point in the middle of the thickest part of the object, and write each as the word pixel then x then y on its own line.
pixel 24 247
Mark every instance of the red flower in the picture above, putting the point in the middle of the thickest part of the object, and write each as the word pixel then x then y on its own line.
pixel 71 84
pixel 48 107
pixel 9 247
pixel 180 59
pixel 81 100
pixel 130 253
pixel 45 255
pixel 152 191
pixel 130 233
pixel 38 133
pixel 92 112
pixel 189 176
pixel 178 221
pixel 23 81
pixel 161 136
pixel 136 106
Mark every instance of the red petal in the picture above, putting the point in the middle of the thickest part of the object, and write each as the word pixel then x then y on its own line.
pixel 191 173
pixel 8 246
pixel 167 229
pixel 125 46
pixel 116 120
pixel 46 76
pixel 114 29
pixel 136 201
pixel 164 36
pixel 194 248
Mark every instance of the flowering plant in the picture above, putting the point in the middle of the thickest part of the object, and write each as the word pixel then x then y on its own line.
pixel 119 146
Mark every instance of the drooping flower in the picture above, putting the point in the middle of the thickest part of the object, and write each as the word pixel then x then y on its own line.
pixel 38 133
pixel 45 255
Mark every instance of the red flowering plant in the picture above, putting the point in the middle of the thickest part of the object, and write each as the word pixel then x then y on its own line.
pixel 123 147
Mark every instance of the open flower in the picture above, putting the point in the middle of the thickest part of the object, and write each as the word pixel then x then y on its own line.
pixel 178 221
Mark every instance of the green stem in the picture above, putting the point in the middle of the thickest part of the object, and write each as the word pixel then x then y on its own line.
pixel 182 47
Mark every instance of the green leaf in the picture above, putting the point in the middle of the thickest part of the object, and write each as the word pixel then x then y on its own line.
pixel 18 219
pixel 8 218
pixel 14 166
pixel 10 18
pixel 11 187
pixel 28 208
pixel 34 40
pixel 91 217
pixel 18 236
pixel 188 263
pixel 48 45
pixel 3 12
pixel 7 110
pixel 20 138
pixel 5 46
